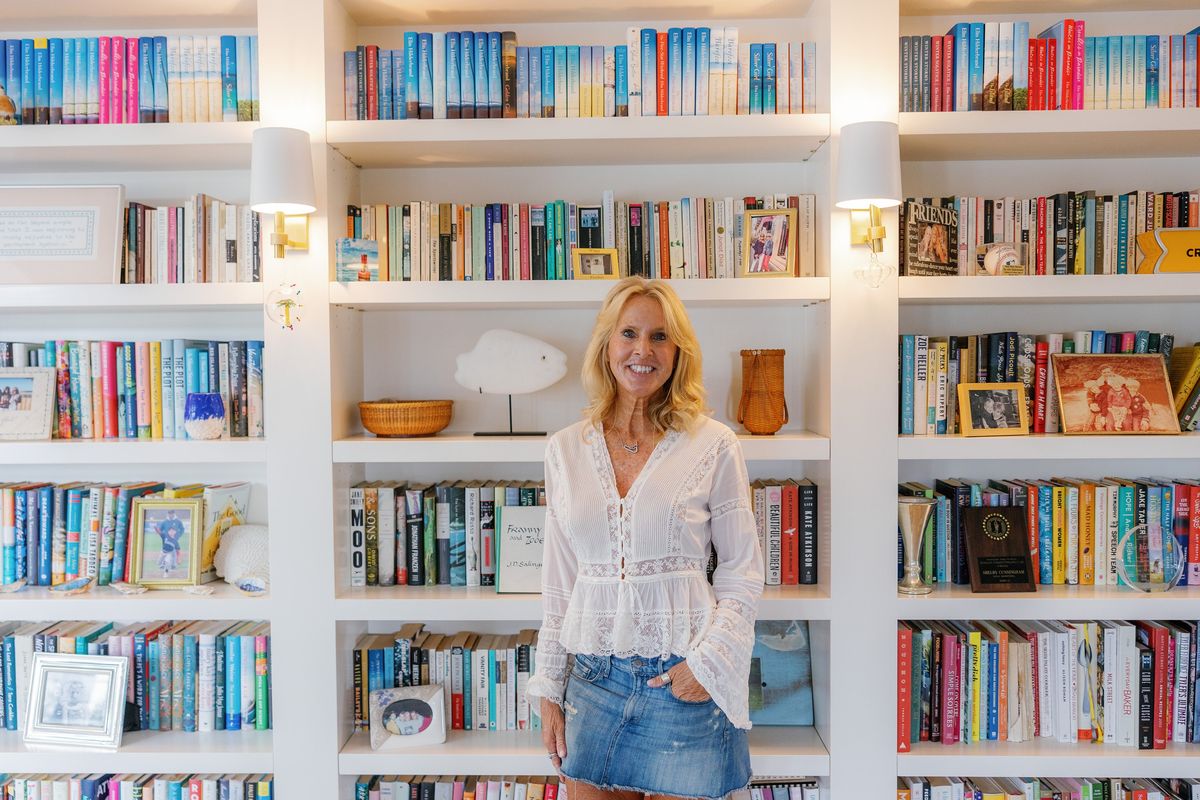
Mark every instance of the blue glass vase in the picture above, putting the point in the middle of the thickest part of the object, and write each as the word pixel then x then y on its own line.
pixel 204 415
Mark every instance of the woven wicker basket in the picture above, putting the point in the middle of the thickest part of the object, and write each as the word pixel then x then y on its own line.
pixel 763 408
pixel 398 418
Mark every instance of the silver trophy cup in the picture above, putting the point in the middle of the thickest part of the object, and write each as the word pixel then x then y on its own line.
pixel 913 513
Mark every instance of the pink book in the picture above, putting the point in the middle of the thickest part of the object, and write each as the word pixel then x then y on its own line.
pixel 459 787
pixel 114 787
pixel 172 234
pixel 105 43
pixel 131 79
pixel 950 689
pixel 63 376
pixel 116 94
pixel 524 226
pixel 1080 58
pixel 142 366
pixel 108 377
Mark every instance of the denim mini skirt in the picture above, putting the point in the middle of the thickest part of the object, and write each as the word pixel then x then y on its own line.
pixel 623 734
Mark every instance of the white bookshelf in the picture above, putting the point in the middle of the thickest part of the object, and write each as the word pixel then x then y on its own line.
pixel 1045 758
pixel 122 299
pixel 106 603
pixel 1049 447
pixel 1051 602
pixel 1051 290
pixel 145 751
pixel 120 148
pixel 135 451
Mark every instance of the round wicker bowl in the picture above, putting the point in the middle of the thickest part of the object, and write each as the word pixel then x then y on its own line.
pixel 398 418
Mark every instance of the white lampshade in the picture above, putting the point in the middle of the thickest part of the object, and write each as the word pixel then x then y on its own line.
pixel 281 176
pixel 868 166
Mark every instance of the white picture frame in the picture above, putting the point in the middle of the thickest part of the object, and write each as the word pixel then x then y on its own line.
pixel 26 402
pixel 407 716
pixel 61 234
pixel 76 701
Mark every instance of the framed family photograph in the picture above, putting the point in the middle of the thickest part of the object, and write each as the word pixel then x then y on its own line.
pixel 26 402
pixel 993 409
pixel 1114 393
pixel 76 700
pixel 60 234
pixel 595 263
pixel 769 248
pixel 166 542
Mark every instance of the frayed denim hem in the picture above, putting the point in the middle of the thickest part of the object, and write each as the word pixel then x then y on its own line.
pixel 612 786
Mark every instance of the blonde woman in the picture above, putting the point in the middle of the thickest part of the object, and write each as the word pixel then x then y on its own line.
pixel 654 701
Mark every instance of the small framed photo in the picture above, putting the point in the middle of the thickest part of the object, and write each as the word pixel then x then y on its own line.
pixel 26 402
pixel 166 541
pixel 76 700
pixel 769 249
pixel 407 716
pixel 993 409
pixel 1114 394
pixel 60 234
pixel 595 263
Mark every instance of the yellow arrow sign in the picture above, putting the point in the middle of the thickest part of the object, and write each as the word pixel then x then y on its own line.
pixel 1170 250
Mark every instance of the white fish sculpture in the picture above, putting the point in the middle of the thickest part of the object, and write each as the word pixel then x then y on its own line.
pixel 507 362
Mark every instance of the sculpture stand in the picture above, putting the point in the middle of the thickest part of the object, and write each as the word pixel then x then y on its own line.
pixel 510 431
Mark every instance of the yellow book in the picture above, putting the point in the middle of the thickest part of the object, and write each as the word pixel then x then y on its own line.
pixel 1087 533
pixel 1184 373
pixel 178 492
pixel 1059 530
pixel 975 641
pixel 156 428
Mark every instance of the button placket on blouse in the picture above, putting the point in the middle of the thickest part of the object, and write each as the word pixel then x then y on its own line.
pixel 622 537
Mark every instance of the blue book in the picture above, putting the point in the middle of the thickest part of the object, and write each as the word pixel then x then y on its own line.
pixel 189 682
pixel 975 68
pixel 425 61
pixel 523 82
pixel 621 80
pixel 10 683
pixel 993 691
pixel 221 668
pixel 45 534
pixel 80 98
pixel 253 63
pixel 203 368
pixel 769 73
pixel 145 79
pixel 28 97
pixel 1152 72
pixel 535 82
pixel 942 528
pixel 120 390
pixel 94 787
pixel 703 55
pixel 493 679
pixel 482 90
pixel 674 71
pixel 399 105
pixel 908 355
pixel 48 72
pixel 41 82
pixel 548 99
pixel 229 79
pixel 412 76
pixel 131 420
pixel 649 72
pixel 688 106
pixel 161 113
pixel 76 405
pixel 959 81
pixel 1021 66
pixel 458 535
pixel 560 80
pixel 495 87
pixel 191 370
pixel 12 71
pixel 453 76
pixel 1114 71
pixel 756 79
pixel 1101 71
pixel 74 522
pixel 1045 501
pixel 466 76
pixel 552 266
pixel 154 693
pixel 1141 342
pixel 1097 342
pixel 68 80
pixel 233 684
pixel 386 96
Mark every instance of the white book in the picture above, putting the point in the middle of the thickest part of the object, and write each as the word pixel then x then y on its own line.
pixel 179 379
pixel 610 87
pixel 1127 686
pixel 429 230
pixel 573 79
pixel 174 89
pixel 192 208
pixel 743 79
pixel 783 79
pixel 808 235
pixel 228 244
pixel 729 66
pixel 84 350
pixel 739 222
pixel 200 88
pixel 167 357
pixel 95 514
pixel 514 239
pixel 1164 71
pixel 386 517
pixel 774 509
pixel 809 91
pixel 1128 78
pixel 1107 635
pixel 473 534
pixel 510 689
pixel 688 216
pixel 1044 649
pixel 205 683
pixel 727 239
pixel 921 385
pixel 479 673
pixel 585 81
pixel 215 113
pixel 633 42
pixel 439 72
pixel 1183 653
pixel 607 218
pixel 187 81
pixel 223 378
pixel 716 72
pixel 720 229
pixel 358 547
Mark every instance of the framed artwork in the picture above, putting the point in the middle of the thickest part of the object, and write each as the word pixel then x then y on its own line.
pixel 769 249
pixel 26 402
pixel 76 700
pixel 595 263
pixel 407 716
pixel 993 409
pixel 60 234
pixel 1111 393
pixel 166 541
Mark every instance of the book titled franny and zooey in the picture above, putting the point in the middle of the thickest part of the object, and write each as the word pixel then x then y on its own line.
pixel 91 80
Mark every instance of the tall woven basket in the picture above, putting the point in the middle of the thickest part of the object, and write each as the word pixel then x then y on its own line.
pixel 763 408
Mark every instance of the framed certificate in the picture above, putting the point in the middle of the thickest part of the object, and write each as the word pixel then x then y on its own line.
pixel 60 234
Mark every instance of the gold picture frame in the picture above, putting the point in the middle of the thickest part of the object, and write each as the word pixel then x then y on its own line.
pixel 993 409
pixel 769 243
pixel 585 261
pixel 165 541
pixel 1113 394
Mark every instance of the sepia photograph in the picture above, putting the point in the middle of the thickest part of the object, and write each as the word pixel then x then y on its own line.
pixel 1114 394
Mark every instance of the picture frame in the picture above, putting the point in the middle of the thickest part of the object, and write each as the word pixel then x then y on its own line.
pixel 1114 394
pixel 407 716
pixel 596 263
pixel 769 249
pixel 26 402
pixel 61 234
pixel 993 409
pixel 166 541
pixel 76 700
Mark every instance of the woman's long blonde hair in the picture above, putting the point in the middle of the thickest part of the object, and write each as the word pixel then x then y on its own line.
pixel 682 400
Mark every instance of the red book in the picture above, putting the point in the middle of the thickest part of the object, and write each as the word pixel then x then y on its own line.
pixel 935 76
pixel 108 379
pixel 950 689
pixel 1182 523
pixel 372 81
pixel 664 244
pixel 116 76
pixel 1051 74
pixel 1040 255
pixel 1067 90
pixel 551 789
pixel 131 79
pixel 105 47
pixel 1041 380
pixel 948 72
pixel 790 527
pixel 1078 64
pixel 660 82
pixel 903 690
pixel 524 226
pixel 505 243
pixel 1034 102
pixel 1194 536
pixel 1128 340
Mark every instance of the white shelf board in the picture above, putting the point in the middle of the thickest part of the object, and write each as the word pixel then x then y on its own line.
pixel 104 602
pixel 121 298
pixel 1051 602
pixel 977 8
pixel 1050 289
pixel 479 12
pixel 773 751
pixel 483 604
pixel 80 15
pixel 115 148
pixel 988 135
pixel 1049 759
pixel 469 295
pixel 593 141
pixel 147 751
pixel 466 448
pixel 1051 446
pixel 134 451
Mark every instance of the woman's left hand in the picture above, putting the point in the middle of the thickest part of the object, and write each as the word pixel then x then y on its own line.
pixel 683 684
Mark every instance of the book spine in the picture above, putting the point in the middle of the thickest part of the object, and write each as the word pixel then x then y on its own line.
pixel 358 553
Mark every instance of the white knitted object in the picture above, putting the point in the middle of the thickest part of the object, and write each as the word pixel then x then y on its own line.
pixel 243 552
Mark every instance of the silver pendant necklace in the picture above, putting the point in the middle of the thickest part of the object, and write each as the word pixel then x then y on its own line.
pixel 630 448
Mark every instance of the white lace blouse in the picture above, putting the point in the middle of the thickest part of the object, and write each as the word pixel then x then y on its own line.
pixel 626 576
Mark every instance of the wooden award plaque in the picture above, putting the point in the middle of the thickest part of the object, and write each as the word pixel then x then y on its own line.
pixel 998 556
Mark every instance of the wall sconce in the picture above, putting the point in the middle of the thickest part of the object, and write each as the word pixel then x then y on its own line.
pixel 281 183
pixel 868 179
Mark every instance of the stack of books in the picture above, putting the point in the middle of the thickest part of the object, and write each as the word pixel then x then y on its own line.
pixel 942 788
pixel 147 787
pixel 204 240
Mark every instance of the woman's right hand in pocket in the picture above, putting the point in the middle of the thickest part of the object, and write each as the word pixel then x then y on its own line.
pixel 554 733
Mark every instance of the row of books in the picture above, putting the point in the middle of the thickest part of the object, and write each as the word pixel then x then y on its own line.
pixel 138 390
pixel 689 238
pixel 193 677
pixel 124 786
pixel 953 788
pixel 204 240
pixel 785 514
pixel 997 66
pixel 54 533
pixel 117 79
pixel 932 367
pixel 1075 527
pixel 677 72
pixel 1127 684
pixel 459 787
pixel 1067 233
